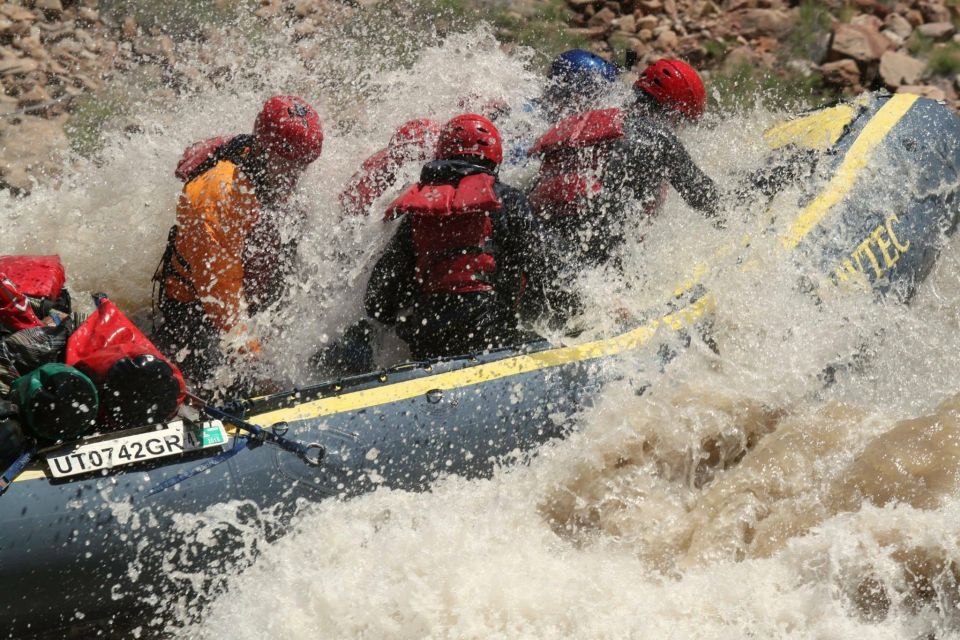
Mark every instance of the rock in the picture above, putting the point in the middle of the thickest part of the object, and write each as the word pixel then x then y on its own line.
pixel 867 20
pixel 934 11
pixel 627 24
pixel 666 41
pixel 129 28
pixel 914 17
pixel 17 13
pixel 154 47
pixel 862 43
pixel 893 37
pixel 651 7
pixel 577 5
pixel 746 55
pixel 26 150
pixel 842 73
pixel 304 29
pixel 925 90
pixel 898 68
pixel 899 25
pixel 302 8
pixel 937 30
pixel 12 66
pixel 87 15
pixel 50 8
pixel 33 97
pixel 603 18
pixel 646 22
pixel 956 82
pixel 645 35
pixel 751 23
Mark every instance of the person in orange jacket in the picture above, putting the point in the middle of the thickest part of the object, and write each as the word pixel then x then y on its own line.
pixel 224 257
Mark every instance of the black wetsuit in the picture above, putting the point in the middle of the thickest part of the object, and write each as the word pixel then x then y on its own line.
pixel 441 324
pixel 634 169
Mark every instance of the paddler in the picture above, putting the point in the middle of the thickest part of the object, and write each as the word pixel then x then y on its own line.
pixel 599 166
pixel 466 260
pixel 412 142
pixel 225 258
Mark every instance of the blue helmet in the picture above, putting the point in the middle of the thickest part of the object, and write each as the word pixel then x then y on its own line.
pixel 578 65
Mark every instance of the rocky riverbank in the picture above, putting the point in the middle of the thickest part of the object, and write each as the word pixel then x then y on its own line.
pixel 835 45
pixel 60 60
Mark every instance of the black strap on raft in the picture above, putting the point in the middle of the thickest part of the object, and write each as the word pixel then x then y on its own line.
pixel 16 469
pixel 312 454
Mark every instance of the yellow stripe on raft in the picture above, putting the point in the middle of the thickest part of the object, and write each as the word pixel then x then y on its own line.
pixel 855 160
pixel 819 130
pixel 491 371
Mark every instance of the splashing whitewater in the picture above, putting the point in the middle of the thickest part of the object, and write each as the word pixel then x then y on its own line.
pixel 736 498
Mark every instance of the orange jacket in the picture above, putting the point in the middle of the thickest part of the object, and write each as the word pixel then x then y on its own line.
pixel 216 214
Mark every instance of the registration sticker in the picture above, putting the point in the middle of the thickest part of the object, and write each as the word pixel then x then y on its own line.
pixel 172 439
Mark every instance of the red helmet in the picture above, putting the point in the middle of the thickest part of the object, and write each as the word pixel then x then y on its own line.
pixel 675 85
pixel 290 128
pixel 420 133
pixel 470 135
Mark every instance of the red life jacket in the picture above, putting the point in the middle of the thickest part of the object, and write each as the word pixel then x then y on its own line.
pixel 572 161
pixel 451 227
pixel 197 154
pixel 22 276
pixel 137 383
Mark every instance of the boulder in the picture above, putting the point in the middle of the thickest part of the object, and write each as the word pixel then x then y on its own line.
pixel 88 16
pixel 50 8
pixel 27 151
pixel 35 96
pixel 898 69
pixel 603 18
pixel 17 13
pixel 842 73
pixel 937 30
pixel 867 20
pixel 860 42
pixel 934 11
pixel 925 90
pixel 154 47
pixel 752 23
pixel 13 66
pixel 666 41
pixel 899 25
pixel 894 38
pixel 627 23
pixel 646 22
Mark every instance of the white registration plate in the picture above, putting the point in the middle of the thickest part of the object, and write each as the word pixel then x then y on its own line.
pixel 173 439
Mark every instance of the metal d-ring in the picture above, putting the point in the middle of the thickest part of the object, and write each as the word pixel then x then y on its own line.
pixel 316 461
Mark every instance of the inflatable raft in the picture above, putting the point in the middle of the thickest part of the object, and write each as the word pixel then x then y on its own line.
pixel 87 531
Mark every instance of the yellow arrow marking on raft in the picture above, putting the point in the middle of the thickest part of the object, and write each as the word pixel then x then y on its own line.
pixel 855 160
